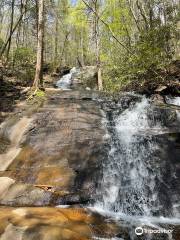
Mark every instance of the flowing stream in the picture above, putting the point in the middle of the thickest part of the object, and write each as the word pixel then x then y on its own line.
pixel 65 81
pixel 127 173
pixel 139 183
pixel 173 101
pixel 135 185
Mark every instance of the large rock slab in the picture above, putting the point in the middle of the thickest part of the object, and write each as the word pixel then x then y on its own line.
pixel 53 224
pixel 58 153
pixel 46 223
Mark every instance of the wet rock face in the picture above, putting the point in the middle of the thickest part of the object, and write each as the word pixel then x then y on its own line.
pixel 61 153
pixel 66 224
pixel 161 141
pixel 169 152
pixel 53 223
pixel 61 149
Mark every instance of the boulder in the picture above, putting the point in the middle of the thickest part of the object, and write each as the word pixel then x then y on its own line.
pixel 62 70
pixel 85 77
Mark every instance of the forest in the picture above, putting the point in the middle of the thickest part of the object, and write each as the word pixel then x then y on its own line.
pixel 133 43
pixel 89 120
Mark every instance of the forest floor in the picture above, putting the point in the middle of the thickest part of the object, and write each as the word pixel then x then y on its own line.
pixel 13 93
pixel 9 95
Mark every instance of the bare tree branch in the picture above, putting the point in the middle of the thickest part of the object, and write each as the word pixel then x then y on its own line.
pixel 108 27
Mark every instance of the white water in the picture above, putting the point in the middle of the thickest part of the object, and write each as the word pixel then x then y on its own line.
pixel 126 174
pixel 173 100
pixel 131 174
pixel 66 81
pixel 137 220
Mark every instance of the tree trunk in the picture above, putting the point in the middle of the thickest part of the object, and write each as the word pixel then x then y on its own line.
pixel 82 46
pixel 56 43
pixel 13 30
pixel 38 80
pixel 142 12
pixel 63 49
pixel 97 39
pixel 134 16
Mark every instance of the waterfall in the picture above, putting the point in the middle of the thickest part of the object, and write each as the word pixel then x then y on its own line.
pixel 173 100
pixel 65 82
pixel 133 173
pixel 127 176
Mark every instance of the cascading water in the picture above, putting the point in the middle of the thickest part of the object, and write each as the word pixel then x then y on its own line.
pixel 173 100
pixel 66 81
pixel 128 179
pixel 133 181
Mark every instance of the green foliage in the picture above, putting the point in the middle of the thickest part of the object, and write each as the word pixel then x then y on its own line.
pixel 78 20
pixel 147 28
pixel 40 94
pixel 35 100
pixel 151 44
pixel 24 59
pixel 24 56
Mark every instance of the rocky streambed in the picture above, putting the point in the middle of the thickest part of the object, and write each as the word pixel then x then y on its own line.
pixel 63 167
pixel 58 157
pixel 53 157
